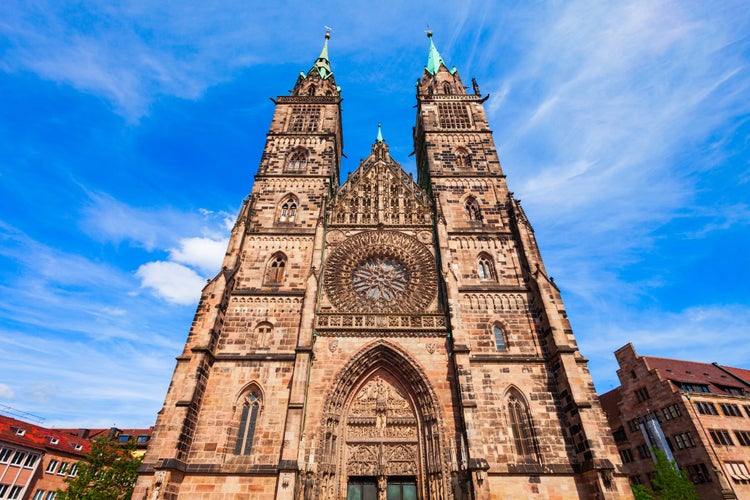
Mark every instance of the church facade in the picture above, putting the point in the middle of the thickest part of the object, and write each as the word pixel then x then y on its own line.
pixel 381 337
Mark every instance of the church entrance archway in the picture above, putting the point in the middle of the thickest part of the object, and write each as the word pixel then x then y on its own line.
pixel 382 435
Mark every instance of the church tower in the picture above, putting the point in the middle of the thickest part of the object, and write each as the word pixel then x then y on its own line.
pixel 381 337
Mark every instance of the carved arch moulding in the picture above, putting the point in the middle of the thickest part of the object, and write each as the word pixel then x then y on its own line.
pixel 381 418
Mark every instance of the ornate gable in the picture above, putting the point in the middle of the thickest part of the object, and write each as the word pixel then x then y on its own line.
pixel 378 193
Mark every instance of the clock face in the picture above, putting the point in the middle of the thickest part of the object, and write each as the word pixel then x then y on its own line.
pixel 380 271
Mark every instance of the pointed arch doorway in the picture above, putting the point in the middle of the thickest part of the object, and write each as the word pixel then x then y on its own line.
pixel 382 435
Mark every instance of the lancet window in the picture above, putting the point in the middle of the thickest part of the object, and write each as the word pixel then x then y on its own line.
pixel 297 160
pixel 288 210
pixel 446 88
pixel 462 158
pixel 248 420
pixel 520 424
pixel 485 267
pixel 471 207
pixel 276 269
pixel 500 340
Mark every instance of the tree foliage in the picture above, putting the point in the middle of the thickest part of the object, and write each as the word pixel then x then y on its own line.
pixel 108 472
pixel 670 483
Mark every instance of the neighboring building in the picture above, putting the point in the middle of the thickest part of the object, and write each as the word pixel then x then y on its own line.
pixel 138 437
pixel 35 461
pixel 698 412
pixel 380 337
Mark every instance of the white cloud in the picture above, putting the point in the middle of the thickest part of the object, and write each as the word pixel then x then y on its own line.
pixel 174 282
pixel 204 253
pixel 6 392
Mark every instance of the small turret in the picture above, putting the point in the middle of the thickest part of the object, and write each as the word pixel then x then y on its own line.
pixel 437 78
pixel 319 79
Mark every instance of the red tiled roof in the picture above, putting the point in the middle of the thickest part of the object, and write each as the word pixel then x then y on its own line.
pixel 33 436
pixel 739 372
pixel 693 372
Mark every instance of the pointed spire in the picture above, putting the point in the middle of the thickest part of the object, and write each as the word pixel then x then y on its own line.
pixel 322 64
pixel 433 60
pixel 379 138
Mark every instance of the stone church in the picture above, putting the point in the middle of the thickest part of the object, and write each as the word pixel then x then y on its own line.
pixel 377 337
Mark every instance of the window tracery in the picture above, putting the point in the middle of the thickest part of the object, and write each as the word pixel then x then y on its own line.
pixel 248 420
pixel 288 210
pixel 471 207
pixel 485 267
pixel 446 88
pixel 275 271
pixel 521 428
pixel 462 158
pixel 297 160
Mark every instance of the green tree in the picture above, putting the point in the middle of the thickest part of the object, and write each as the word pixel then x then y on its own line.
pixel 108 472
pixel 670 483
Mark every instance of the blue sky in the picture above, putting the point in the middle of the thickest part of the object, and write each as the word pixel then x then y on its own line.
pixel 130 133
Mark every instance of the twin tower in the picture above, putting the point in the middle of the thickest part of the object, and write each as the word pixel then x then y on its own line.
pixel 380 338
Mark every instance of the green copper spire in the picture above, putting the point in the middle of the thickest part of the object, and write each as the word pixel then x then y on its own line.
pixel 379 138
pixel 322 64
pixel 433 60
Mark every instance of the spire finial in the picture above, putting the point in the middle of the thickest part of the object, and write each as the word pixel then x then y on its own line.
pixel 329 30
pixel 433 59
pixel 379 139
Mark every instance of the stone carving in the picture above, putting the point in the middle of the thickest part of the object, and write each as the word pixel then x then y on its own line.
pixel 380 410
pixel 381 271
pixel 333 345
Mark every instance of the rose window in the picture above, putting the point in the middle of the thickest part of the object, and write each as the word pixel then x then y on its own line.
pixel 380 271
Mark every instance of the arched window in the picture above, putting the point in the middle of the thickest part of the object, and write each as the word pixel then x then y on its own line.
pixel 520 425
pixel 471 207
pixel 297 161
pixel 288 210
pixel 276 269
pixel 248 420
pixel 485 267
pixel 311 90
pixel 263 334
pixel 462 158
pixel 446 88
pixel 499 334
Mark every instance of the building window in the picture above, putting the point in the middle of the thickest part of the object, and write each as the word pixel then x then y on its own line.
pixel 485 268
pixel 39 495
pixel 18 458
pixel 14 492
pixel 743 437
pixel 642 394
pixel 730 410
pixel 698 473
pixel 52 466
pixel 636 479
pixel 721 437
pixel 471 207
pixel 124 438
pixel 738 472
pixel 288 210
pixel 684 440
pixel 5 454
pixel 706 408
pixel 446 88
pixel 626 456
pixel 51 495
pixel 248 420
pixel 643 451
pixel 297 160
pixel 454 115
pixel 143 438
pixel 263 334
pixel 73 470
pixel 671 411
pixel 276 269
pixel 30 461
pixel 520 424
pixel 3 490
pixel 305 118
pixel 694 387
pixel 462 158
pixel 633 425
pixel 499 335
pixel 63 468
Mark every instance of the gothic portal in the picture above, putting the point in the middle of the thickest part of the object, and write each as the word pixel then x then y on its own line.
pixel 381 338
